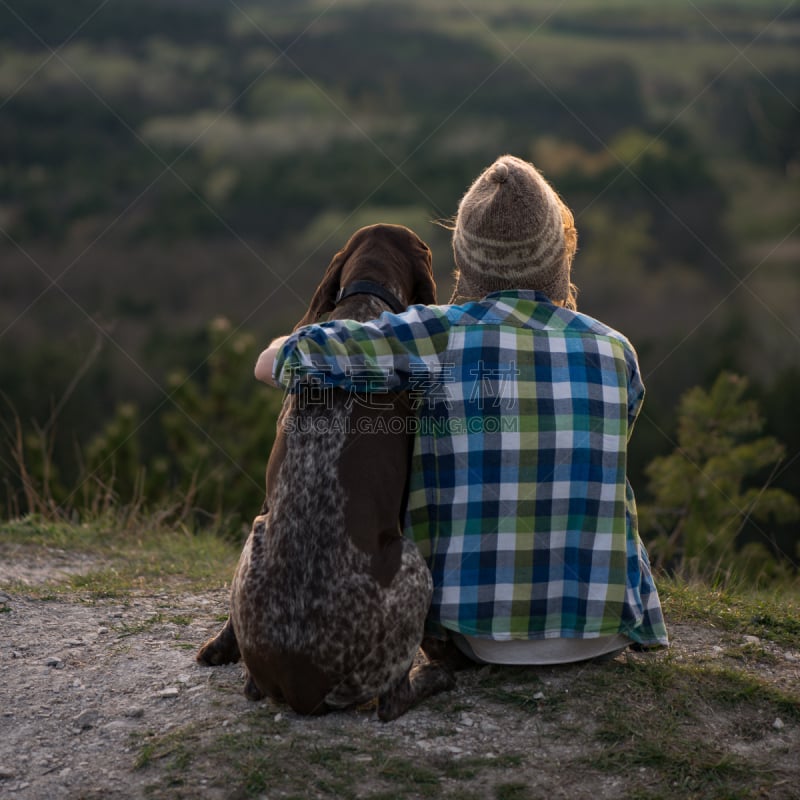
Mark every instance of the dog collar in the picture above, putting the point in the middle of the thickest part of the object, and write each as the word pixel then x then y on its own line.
pixel 375 289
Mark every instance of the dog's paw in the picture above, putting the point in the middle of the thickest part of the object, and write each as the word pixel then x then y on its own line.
pixel 423 681
pixel 251 691
pixel 215 652
pixel 432 678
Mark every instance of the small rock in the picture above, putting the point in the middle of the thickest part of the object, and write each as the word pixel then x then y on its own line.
pixel 751 639
pixel 278 717
pixel 539 696
pixel 790 656
pixel 171 691
pixel 86 719
pixel 55 663
pixel 117 725
pixel 6 774
pixel 102 630
pixel 134 712
pixel 778 724
pixel 424 744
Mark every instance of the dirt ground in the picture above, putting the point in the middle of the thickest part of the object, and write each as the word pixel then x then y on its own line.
pixel 103 699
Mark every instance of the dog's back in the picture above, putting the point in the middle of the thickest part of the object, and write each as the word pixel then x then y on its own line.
pixel 313 592
pixel 329 600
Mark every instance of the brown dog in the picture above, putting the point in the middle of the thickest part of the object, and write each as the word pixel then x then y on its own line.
pixel 329 599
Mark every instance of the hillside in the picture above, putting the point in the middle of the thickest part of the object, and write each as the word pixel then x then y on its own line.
pixel 177 175
pixel 166 163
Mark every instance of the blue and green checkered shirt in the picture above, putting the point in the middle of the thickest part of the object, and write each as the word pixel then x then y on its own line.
pixel 518 495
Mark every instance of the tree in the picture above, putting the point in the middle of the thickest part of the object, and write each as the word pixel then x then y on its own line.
pixel 702 498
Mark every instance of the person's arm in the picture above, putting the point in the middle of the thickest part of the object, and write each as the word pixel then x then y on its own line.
pixel 393 349
pixel 266 362
pixel 635 389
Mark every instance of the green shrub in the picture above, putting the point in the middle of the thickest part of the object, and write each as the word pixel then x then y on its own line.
pixel 216 432
pixel 701 494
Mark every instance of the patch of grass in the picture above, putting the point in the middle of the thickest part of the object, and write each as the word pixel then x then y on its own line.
pixel 139 627
pixel 468 768
pixel 151 557
pixel 402 772
pixel 655 717
pixel 264 756
pixel 172 748
pixel 733 688
pixel 772 615
pixel 515 686
pixel 513 791
pixel 521 688
pixel 752 653
pixel 503 675
pixel 104 583
pixel 522 699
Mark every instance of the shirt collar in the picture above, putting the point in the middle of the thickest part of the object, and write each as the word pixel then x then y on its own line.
pixel 531 295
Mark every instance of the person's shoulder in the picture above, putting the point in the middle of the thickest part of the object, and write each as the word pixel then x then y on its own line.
pixel 416 314
pixel 413 322
pixel 474 312
pixel 579 322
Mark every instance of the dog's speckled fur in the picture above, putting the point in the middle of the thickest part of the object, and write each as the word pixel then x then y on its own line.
pixel 329 599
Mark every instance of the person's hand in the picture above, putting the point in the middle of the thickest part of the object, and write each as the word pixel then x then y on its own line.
pixel 266 362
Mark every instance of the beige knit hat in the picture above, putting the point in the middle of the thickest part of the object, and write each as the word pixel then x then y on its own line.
pixel 512 231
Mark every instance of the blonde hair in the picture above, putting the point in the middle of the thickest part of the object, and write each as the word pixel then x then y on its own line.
pixel 570 248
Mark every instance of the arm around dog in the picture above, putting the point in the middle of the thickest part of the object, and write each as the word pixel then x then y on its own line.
pixel 342 353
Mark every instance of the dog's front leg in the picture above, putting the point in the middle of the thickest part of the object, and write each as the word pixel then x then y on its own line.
pixel 221 649
pixel 420 682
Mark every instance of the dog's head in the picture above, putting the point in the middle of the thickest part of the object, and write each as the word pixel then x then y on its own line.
pixel 391 255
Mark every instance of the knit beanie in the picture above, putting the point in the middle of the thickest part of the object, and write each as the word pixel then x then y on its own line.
pixel 512 231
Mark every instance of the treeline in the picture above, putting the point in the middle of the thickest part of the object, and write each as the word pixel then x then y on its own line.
pixel 709 514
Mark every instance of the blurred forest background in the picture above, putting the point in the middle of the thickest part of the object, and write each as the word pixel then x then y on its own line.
pixel 176 175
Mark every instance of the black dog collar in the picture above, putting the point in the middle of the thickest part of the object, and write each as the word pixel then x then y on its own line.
pixel 375 289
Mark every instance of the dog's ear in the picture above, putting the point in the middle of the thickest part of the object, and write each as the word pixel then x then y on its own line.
pixel 324 298
pixel 424 285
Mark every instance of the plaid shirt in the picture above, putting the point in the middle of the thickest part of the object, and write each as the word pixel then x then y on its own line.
pixel 518 494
